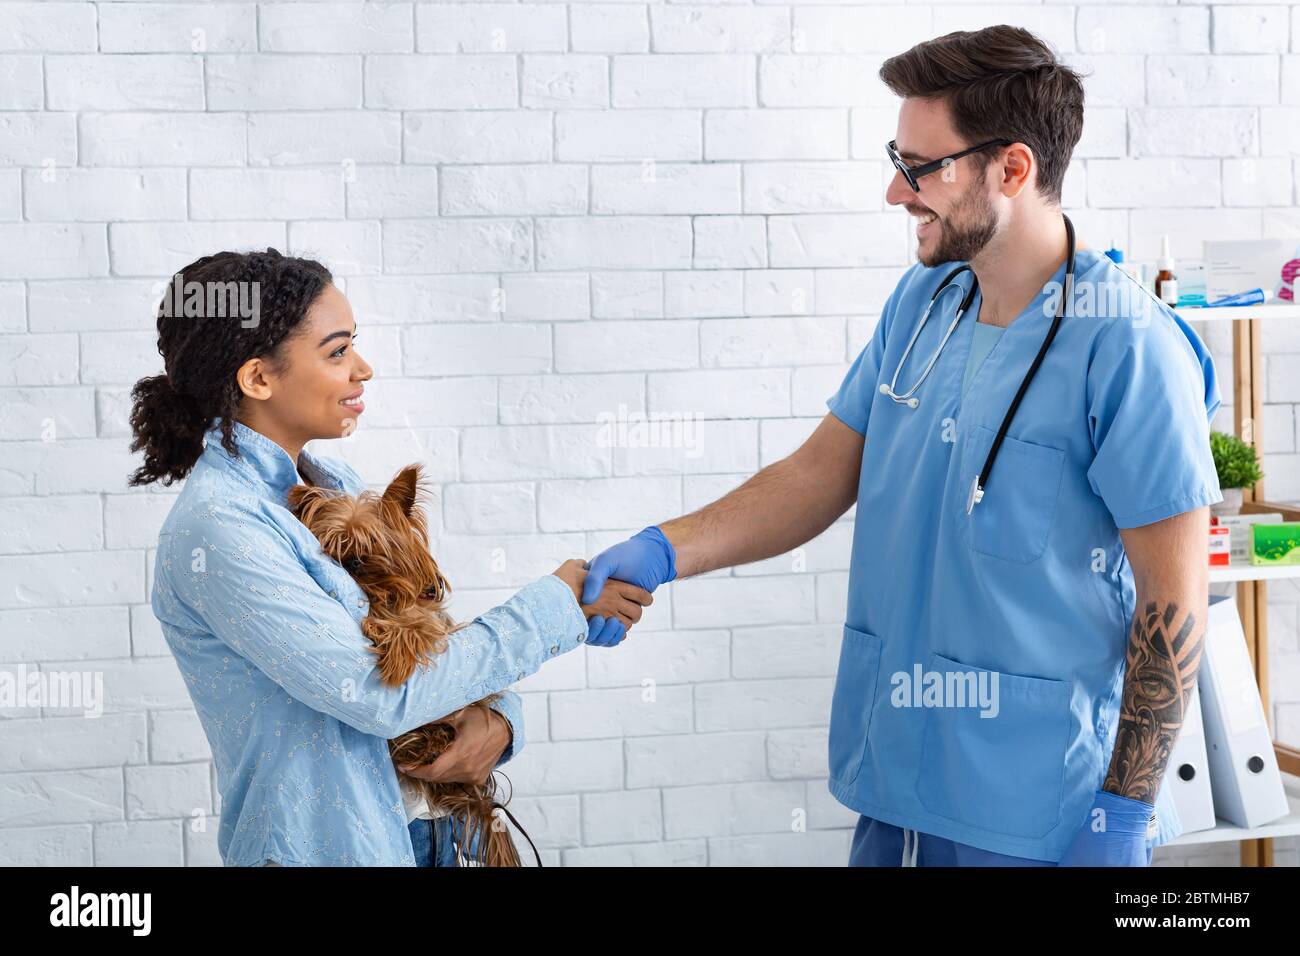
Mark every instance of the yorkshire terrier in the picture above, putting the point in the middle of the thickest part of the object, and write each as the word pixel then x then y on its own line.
pixel 382 541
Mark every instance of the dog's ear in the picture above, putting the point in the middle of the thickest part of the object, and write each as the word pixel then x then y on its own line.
pixel 403 489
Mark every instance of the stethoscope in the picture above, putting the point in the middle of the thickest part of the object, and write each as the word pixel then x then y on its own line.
pixel 909 398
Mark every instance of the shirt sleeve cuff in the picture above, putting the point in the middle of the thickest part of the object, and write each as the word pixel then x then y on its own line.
pixel 1136 519
pixel 844 415
pixel 557 612
pixel 510 706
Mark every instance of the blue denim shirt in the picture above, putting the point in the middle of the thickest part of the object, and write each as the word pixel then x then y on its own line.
pixel 266 631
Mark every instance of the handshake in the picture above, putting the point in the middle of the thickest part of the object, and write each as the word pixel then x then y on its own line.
pixel 613 588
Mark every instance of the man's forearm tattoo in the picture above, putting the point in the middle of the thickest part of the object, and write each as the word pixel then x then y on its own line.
pixel 1164 654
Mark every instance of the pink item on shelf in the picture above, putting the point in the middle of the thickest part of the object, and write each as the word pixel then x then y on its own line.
pixel 1289 271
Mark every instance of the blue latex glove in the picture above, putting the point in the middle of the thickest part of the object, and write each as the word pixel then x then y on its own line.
pixel 646 559
pixel 1113 834
pixel 605 632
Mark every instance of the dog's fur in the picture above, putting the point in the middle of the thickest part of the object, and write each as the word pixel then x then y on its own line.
pixel 383 542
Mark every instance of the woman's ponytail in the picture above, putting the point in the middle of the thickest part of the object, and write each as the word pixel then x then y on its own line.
pixel 169 426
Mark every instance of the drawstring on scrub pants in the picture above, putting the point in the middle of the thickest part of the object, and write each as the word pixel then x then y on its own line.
pixel 910 859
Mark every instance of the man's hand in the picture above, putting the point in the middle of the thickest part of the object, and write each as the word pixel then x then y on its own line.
pixel 785 505
pixel 645 560
pixel 482 736
pixel 1163 659
pixel 1114 834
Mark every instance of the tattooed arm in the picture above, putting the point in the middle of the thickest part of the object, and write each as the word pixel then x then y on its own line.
pixel 1171 574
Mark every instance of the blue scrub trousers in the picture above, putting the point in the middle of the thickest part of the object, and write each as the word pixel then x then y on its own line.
pixel 881 844
pixel 434 842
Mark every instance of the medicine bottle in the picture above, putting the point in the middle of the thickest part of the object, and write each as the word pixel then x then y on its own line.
pixel 1166 283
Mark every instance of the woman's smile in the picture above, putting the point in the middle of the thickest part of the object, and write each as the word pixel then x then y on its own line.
pixel 353 402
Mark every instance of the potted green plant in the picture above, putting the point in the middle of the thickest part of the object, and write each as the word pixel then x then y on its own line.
pixel 1237 465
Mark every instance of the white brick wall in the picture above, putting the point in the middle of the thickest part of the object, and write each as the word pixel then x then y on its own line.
pixel 544 214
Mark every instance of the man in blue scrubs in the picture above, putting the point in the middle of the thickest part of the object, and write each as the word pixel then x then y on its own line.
pixel 1014 669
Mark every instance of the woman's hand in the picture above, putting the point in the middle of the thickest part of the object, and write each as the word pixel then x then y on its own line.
pixel 573 573
pixel 616 608
pixel 482 736
pixel 620 600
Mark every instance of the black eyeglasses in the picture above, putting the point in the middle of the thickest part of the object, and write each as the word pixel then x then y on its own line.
pixel 913 173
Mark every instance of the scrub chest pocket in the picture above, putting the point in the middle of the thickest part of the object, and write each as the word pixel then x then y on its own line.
pixel 1015 517
pixel 852 702
pixel 965 755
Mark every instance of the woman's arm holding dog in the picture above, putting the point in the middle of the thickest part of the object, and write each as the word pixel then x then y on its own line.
pixel 482 745
pixel 238 576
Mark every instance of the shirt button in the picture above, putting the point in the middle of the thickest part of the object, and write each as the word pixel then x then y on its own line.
pixel 361 604
pixel 581 638
pixel 521 676
pixel 334 594
pixel 555 648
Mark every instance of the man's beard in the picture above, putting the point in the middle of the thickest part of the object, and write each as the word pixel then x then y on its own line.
pixel 962 243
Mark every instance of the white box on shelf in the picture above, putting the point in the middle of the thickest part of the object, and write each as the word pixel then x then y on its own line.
pixel 1244 776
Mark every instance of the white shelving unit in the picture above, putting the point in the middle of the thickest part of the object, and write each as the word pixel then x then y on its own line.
pixel 1225 832
pixel 1238 571
pixel 1275 310
pixel 1251 581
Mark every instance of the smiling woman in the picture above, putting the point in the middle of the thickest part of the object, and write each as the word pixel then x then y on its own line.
pixel 265 627
pixel 286 368
pixel 312 387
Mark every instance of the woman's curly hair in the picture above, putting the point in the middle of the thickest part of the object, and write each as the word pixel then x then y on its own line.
pixel 171 413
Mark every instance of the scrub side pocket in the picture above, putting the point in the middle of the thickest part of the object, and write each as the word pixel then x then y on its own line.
pixel 1016 515
pixel 852 702
pixel 1005 772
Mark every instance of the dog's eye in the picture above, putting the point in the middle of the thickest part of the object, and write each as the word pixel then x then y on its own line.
pixel 352 565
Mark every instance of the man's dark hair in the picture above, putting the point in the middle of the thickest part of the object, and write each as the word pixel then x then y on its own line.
pixel 1001 82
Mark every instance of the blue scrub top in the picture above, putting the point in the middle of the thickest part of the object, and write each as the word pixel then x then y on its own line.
pixel 1015 618
pixel 984 337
